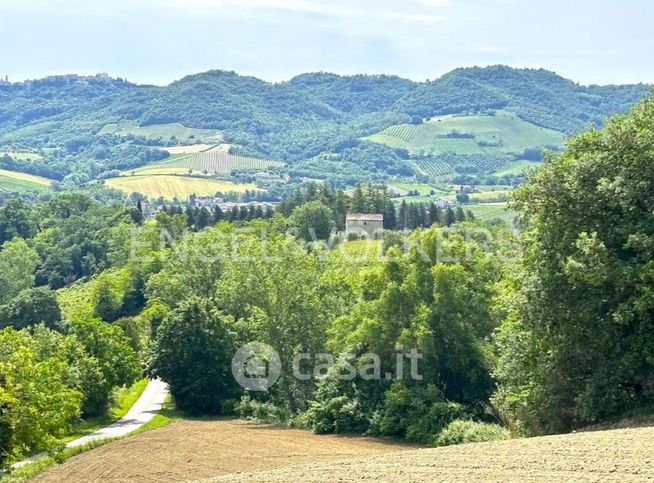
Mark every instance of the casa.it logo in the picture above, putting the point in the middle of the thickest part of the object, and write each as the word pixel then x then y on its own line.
pixel 256 366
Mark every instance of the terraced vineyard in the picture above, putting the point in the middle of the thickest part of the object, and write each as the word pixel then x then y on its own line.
pixel 433 167
pixel 405 132
pixel 486 162
pixel 457 145
pixel 213 162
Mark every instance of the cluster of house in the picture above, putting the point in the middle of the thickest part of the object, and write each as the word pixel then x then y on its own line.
pixel 208 202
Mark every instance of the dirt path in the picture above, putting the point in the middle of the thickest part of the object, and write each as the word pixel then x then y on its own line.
pixel 189 450
pixel 619 455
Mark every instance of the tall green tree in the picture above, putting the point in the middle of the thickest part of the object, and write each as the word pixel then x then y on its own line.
pixel 18 264
pixel 577 345
pixel 192 351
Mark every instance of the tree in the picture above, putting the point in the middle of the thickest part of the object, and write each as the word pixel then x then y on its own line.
pixel 450 217
pixel 312 220
pixel 36 402
pixel 31 307
pixel 192 352
pixel 358 204
pixel 118 363
pixel 15 221
pixel 204 217
pixel 18 263
pixel 577 343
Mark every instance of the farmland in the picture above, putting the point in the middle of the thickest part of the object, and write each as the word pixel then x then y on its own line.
pixel 433 167
pixel 422 188
pixel 12 181
pixel 619 455
pixel 180 187
pixel 164 131
pixel 210 162
pixel 203 449
pixel 503 132
pixel 241 451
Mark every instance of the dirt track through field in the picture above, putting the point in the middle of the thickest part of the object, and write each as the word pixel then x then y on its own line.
pixel 190 450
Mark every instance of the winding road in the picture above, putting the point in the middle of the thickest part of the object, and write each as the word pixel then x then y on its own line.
pixel 144 409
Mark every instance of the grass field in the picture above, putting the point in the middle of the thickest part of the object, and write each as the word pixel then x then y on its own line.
pixel 516 167
pixel 491 211
pixel 486 196
pixel 180 187
pixel 511 133
pixel 164 131
pixel 423 188
pixel 21 156
pixel 14 182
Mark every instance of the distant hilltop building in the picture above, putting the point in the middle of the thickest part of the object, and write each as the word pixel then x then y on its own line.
pixel 364 222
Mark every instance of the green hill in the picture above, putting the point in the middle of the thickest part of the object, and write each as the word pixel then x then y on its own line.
pixel 314 122
pixel 503 131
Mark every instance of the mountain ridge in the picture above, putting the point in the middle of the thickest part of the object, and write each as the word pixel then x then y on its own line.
pixel 311 115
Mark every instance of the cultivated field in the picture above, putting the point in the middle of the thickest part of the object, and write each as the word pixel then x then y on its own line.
pixel 207 163
pixel 616 456
pixel 180 187
pixel 188 450
pixel 190 149
pixel 213 451
pixel 12 181
pixel 164 131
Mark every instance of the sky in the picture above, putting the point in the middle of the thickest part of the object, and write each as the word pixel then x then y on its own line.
pixel 159 41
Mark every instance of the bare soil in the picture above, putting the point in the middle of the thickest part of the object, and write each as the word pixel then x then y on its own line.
pixel 618 455
pixel 191 450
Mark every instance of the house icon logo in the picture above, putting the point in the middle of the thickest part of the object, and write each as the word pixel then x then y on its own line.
pixel 256 366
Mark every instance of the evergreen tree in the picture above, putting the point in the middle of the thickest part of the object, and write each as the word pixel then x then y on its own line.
pixel 390 216
pixel 203 219
pixel 217 214
pixel 460 214
pixel 403 216
pixel 358 203
pixel 450 217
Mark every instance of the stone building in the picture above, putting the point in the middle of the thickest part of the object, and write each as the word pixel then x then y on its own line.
pixel 364 222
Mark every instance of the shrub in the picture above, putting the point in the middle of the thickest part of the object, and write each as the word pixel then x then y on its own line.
pixel 339 415
pixel 416 414
pixel 266 412
pixel 467 431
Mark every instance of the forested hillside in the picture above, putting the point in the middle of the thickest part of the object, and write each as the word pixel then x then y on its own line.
pixel 314 122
